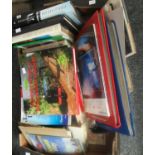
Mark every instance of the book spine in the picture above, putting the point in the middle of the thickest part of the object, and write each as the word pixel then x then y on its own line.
pixel 66 22
pixel 45 46
pixel 47 120
pixel 65 8
pixel 25 19
pixel 55 29
pixel 34 17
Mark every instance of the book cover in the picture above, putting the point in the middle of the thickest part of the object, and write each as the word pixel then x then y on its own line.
pixel 60 145
pixel 94 93
pixel 35 143
pixel 48 82
pixel 96 73
pixel 121 85
pixel 50 141
pixel 56 120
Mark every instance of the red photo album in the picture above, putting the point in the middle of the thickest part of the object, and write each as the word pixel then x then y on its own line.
pixel 96 73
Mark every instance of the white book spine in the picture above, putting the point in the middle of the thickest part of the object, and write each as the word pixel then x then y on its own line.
pixel 50 30
pixel 65 8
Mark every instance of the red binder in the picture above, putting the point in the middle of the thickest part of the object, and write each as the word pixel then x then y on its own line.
pixel 96 72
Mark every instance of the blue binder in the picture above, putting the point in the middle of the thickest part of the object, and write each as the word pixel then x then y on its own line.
pixel 124 129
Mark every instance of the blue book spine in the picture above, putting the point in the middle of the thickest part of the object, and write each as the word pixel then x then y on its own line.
pixel 124 127
pixel 47 119
pixel 60 9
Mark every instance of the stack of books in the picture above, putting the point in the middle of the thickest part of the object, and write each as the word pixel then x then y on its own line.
pixel 71 71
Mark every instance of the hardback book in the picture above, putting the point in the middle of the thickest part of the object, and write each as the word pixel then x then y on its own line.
pixel 117 17
pixel 96 73
pixel 121 83
pixel 62 19
pixel 42 119
pixel 52 140
pixel 29 18
pixel 54 31
pixel 48 82
pixel 52 120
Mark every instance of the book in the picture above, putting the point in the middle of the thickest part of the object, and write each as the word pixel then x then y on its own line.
pixel 29 18
pixel 48 140
pixel 62 19
pixel 96 73
pixel 46 45
pixel 44 33
pixel 55 120
pixel 48 82
pixel 24 19
pixel 52 120
pixel 41 130
pixel 121 84
pixel 117 16
pixel 39 41
pixel 89 4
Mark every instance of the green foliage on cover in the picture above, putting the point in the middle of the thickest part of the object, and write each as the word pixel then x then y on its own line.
pixel 45 108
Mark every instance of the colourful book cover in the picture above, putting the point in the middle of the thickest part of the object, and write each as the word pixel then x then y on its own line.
pixel 52 144
pixel 34 142
pixel 96 73
pixel 48 83
pixel 92 83
pixel 60 145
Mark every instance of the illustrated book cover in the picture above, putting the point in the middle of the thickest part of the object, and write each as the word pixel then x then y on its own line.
pixel 48 82
pixel 96 73
pixel 49 140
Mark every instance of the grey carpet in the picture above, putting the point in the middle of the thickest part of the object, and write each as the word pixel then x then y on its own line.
pixel 134 145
